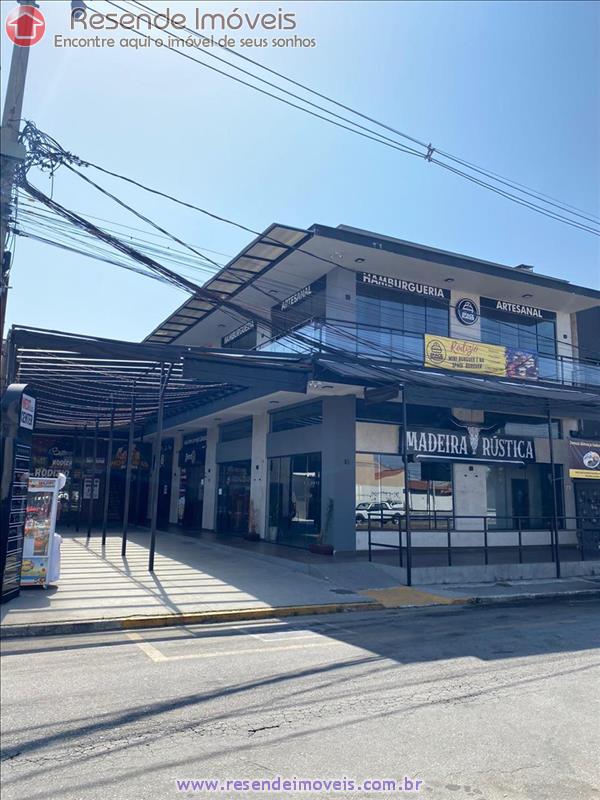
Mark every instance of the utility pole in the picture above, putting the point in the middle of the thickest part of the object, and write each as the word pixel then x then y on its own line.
pixel 12 152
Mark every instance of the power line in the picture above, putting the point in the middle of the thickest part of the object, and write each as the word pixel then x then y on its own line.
pixel 569 209
pixel 52 154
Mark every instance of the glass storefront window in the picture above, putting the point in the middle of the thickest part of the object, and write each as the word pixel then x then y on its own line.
pixel 380 492
pixel 532 335
pixel 521 495
pixel 233 497
pixel 295 498
pixel 402 312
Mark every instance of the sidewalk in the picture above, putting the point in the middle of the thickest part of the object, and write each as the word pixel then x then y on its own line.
pixel 190 577
pixel 206 580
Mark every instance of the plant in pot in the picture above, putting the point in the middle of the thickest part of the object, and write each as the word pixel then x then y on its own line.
pixel 252 535
pixel 321 545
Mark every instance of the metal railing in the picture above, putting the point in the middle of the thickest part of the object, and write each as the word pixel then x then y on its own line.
pixel 585 528
pixel 406 346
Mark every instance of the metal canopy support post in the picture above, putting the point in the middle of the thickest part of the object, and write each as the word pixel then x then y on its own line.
pixel 128 474
pixel 154 479
pixel 138 483
pixel 554 497
pixel 82 479
pixel 109 450
pixel 94 460
pixel 406 491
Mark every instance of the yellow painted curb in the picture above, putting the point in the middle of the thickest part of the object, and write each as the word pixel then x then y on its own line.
pixel 243 614
pixel 398 596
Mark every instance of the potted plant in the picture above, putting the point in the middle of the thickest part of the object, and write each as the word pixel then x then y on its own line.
pixel 321 545
pixel 252 535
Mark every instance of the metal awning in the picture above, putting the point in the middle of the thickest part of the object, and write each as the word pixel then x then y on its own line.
pixel 260 255
pixel 442 388
pixel 81 380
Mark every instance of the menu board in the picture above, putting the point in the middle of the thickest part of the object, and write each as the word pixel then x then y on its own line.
pixel 40 521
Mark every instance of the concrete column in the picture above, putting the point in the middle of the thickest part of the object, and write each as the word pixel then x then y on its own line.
pixel 211 478
pixel 469 481
pixel 175 479
pixel 338 454
pixel 564 347
pixel 341 295
pixel 470 495
pixel 259 482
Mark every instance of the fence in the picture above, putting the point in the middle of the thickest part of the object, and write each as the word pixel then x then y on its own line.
pixel 585 529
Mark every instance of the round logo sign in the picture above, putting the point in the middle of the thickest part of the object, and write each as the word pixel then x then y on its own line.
pixel 591 460
pixel 467 311
pixel 25 26
pixel 436 352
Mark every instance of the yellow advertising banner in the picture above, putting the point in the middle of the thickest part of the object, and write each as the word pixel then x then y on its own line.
pixel 458 354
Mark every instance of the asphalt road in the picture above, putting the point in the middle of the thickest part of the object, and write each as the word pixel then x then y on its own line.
pixel 478 703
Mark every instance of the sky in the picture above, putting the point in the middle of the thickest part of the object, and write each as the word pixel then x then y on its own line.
pixel 511 86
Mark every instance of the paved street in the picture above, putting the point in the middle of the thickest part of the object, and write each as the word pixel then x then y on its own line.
pixel 478 703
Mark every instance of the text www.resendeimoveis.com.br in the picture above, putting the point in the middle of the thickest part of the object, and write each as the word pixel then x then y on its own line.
pixel 405 784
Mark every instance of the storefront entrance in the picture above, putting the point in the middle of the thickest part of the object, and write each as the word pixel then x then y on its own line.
pixel 587 504
pixel 233 497
pixel 192 458
pixel 295 499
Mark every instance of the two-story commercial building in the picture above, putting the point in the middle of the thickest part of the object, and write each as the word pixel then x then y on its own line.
pixel 499 367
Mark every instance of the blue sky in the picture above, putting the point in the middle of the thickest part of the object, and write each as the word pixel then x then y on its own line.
pixel 511 86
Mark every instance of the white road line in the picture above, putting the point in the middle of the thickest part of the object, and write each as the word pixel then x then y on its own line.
pixel 155 655
pixel 152 652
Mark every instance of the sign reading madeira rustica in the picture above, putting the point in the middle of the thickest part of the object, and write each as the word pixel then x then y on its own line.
pixel 473 445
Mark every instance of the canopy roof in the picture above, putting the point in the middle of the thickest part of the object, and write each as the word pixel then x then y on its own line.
pixel 79 379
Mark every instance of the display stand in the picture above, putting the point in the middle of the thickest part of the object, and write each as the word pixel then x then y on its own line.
pixel 39 550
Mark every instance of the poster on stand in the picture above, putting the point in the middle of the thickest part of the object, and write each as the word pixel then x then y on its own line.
pixel 40 523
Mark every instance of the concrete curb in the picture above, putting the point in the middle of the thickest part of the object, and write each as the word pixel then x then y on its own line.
pixel 269 612
pixel 531 597
pixel 170 620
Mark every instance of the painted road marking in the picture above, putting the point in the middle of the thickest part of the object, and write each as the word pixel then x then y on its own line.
pixel 152 652
pixel 155 655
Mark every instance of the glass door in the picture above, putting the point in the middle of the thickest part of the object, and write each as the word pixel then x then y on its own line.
pixel 233 497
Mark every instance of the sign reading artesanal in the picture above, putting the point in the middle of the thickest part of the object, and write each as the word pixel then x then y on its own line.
pixel 442 352
pixel 584 460
pixel 519 309
pixel 473 444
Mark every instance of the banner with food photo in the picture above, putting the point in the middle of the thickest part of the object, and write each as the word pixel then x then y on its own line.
pixel 584 460
pixel 461 355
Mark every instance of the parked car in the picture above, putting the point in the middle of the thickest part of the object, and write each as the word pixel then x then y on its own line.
pixel 383 512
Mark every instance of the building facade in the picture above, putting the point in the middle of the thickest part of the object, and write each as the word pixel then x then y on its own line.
pixel 495 365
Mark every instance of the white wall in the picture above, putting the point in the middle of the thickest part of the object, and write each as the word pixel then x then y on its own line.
pixel 175 478
pixel 259 478
pixel 210 480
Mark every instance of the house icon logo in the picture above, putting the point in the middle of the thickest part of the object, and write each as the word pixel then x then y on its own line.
pixel 25 26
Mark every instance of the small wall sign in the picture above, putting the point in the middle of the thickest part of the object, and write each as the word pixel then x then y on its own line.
pixel 466 311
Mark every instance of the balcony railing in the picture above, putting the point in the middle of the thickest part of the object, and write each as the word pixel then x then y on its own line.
pixel 407 348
